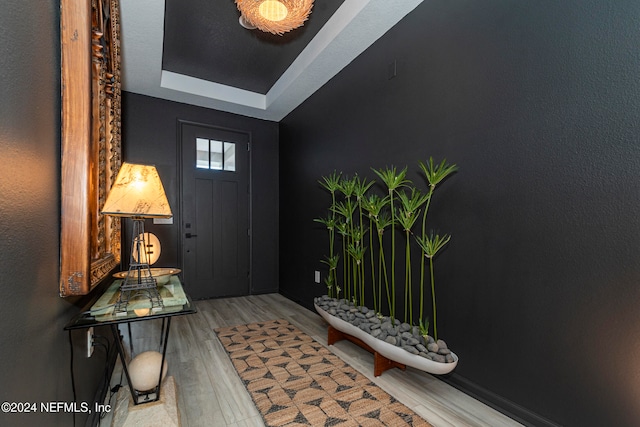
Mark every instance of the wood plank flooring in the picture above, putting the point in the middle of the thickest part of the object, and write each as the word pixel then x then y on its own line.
pixel 210 392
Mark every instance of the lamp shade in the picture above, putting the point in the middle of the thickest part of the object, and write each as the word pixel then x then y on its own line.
pixel 137 192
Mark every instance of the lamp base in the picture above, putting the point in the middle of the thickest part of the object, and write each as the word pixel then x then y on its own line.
pixel 139 280
pixel 127 295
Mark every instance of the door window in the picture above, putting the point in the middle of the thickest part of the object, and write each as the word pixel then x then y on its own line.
pixel 215 155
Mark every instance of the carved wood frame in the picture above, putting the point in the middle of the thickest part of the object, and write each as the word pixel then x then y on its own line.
pixel 90 242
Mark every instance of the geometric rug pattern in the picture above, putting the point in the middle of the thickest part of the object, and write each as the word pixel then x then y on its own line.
pixel 296 381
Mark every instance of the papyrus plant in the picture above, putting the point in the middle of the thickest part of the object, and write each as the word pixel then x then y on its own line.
pixel 434 173
pixel 357 217
pixel 332 184
pixel 406 217
pixel 393 181
pixel 373 205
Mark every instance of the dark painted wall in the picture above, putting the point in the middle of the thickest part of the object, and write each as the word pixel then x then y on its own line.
pixel 150 135
pixel 539 105
pixel 34 349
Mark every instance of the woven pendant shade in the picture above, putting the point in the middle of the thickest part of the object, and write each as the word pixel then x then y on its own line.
pixel 275 16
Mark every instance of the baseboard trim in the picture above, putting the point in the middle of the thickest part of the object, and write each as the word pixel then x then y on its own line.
pixel 497 402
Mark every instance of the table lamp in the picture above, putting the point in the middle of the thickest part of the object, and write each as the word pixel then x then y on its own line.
pixel 137 193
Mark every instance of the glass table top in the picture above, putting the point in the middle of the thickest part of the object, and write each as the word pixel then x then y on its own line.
pixel 176 302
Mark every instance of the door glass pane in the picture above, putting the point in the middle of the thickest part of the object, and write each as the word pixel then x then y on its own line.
pixel 202 153
pixel 216 154
pixel 229 156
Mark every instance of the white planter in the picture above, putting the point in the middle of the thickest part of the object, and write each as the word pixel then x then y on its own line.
pixel 387 350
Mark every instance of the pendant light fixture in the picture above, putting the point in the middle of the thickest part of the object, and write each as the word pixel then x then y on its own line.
pixel 274 16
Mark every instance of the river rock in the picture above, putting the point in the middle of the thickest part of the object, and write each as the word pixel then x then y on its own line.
pixel 400 334
pixel 413 342
pixel 410 349
pixel 433 347
pixel 392 340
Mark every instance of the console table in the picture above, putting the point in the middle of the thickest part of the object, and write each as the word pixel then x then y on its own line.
pixel 175 303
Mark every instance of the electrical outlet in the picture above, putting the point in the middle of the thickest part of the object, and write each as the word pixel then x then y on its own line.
pixel 317 276
pixel 89 342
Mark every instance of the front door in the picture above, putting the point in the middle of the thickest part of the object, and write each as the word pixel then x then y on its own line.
pixel 215 211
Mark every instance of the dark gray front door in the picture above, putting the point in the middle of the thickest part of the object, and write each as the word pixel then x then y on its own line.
pixel 215 211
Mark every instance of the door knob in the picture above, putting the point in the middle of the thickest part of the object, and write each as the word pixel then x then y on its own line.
pixel 189 235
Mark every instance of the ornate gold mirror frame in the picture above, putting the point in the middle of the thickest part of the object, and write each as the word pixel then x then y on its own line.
pixel 90 147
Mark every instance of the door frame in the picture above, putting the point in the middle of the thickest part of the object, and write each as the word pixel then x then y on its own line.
pixel 180 124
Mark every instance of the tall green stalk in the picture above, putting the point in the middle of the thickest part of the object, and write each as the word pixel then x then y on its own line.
pixel 342 230
pixel 360 187
pixel 373 205
pixel 331 183
pixel 330 280
pixel 331 260
pixel 407 217
pixel 434 173
pixel 346 208
pixel 357 251
pixel 431 245
pixel 384 220
pixel 393 180
pixel 376 305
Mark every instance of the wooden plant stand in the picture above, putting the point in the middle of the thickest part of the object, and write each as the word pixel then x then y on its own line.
pixel 380 363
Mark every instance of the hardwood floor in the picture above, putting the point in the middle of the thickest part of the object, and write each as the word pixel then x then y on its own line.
pixel 211 394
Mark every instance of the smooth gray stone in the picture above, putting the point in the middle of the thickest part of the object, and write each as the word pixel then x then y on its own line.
pixel 408 348
pixel 433 347
pixel 439 358
pixel 413 342
pixel 441 344
pixel 406 335
pixel 391 340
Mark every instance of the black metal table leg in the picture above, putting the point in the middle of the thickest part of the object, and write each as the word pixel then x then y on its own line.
pixel 164 339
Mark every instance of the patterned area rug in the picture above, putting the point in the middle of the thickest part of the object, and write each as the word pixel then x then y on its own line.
pixel 295 381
